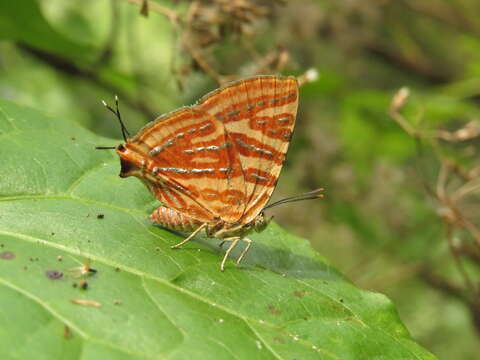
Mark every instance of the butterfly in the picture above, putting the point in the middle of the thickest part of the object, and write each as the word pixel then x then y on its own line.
pixel 214 165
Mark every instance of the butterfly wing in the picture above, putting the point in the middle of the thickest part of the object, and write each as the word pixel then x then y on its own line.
pixel 259 116
pixel 191 165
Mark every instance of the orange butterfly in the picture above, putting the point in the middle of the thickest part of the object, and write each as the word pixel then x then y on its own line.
pixel 214 165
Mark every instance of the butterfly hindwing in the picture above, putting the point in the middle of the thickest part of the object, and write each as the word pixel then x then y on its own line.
pixel 259 116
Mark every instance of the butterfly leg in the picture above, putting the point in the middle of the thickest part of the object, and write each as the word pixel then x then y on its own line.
pixel 232 246
pixel 244 252
pixel 197 230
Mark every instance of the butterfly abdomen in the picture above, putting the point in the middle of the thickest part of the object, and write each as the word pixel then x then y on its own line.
pixel 168 217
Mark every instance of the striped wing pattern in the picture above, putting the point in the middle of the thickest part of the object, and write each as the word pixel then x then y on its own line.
pixel 220 159
pixel 192 165
pixel 259 115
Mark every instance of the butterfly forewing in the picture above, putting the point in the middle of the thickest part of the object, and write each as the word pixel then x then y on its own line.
pixel 259 116
pixel 193 166
pixel 219 159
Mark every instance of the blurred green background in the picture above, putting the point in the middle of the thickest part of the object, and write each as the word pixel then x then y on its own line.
pixel 401 214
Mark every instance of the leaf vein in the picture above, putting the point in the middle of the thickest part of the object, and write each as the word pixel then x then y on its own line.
pixel 146 275
pixel 87 173
pixel 45 306
pixel 364 324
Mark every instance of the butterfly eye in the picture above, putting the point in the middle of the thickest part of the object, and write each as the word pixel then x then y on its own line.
pixel 121 147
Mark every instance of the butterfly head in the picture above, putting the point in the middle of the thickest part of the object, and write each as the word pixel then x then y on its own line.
pixel 129 163
pixel 127 166
pixel 132 163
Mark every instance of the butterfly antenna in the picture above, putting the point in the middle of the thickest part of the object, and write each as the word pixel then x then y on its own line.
pixel 124 128
pixel 116 112
pixel 311 195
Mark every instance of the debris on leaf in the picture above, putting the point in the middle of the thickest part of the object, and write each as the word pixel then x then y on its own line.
pixel 85 302
pixel 67 333
pixel 273 310
pixel 299 293
pixel 81 284
pixel 7 255
pixel 54 274
pixel 83 270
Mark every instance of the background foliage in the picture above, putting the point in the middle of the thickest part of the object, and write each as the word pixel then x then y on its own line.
pixel 402 178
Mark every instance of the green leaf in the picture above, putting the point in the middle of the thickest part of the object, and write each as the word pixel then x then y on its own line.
pixel 23 21
pixel 365 122
pixel 286 301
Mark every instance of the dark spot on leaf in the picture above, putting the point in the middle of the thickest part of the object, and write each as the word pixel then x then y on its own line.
pixel 157 249
pixel 1 245
pixel 67 333
pixel 7 255
pixel 73 138
pixel 299 293
pixel 100 216
pixel 273 310
pixel 59 258
pixel 25 268
pixel 279 340
pixel 118 302
pixel 83 285
pixel 117 269
pixel 341 300
pixel 75 284
pixel 54 274
pixel 52 233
